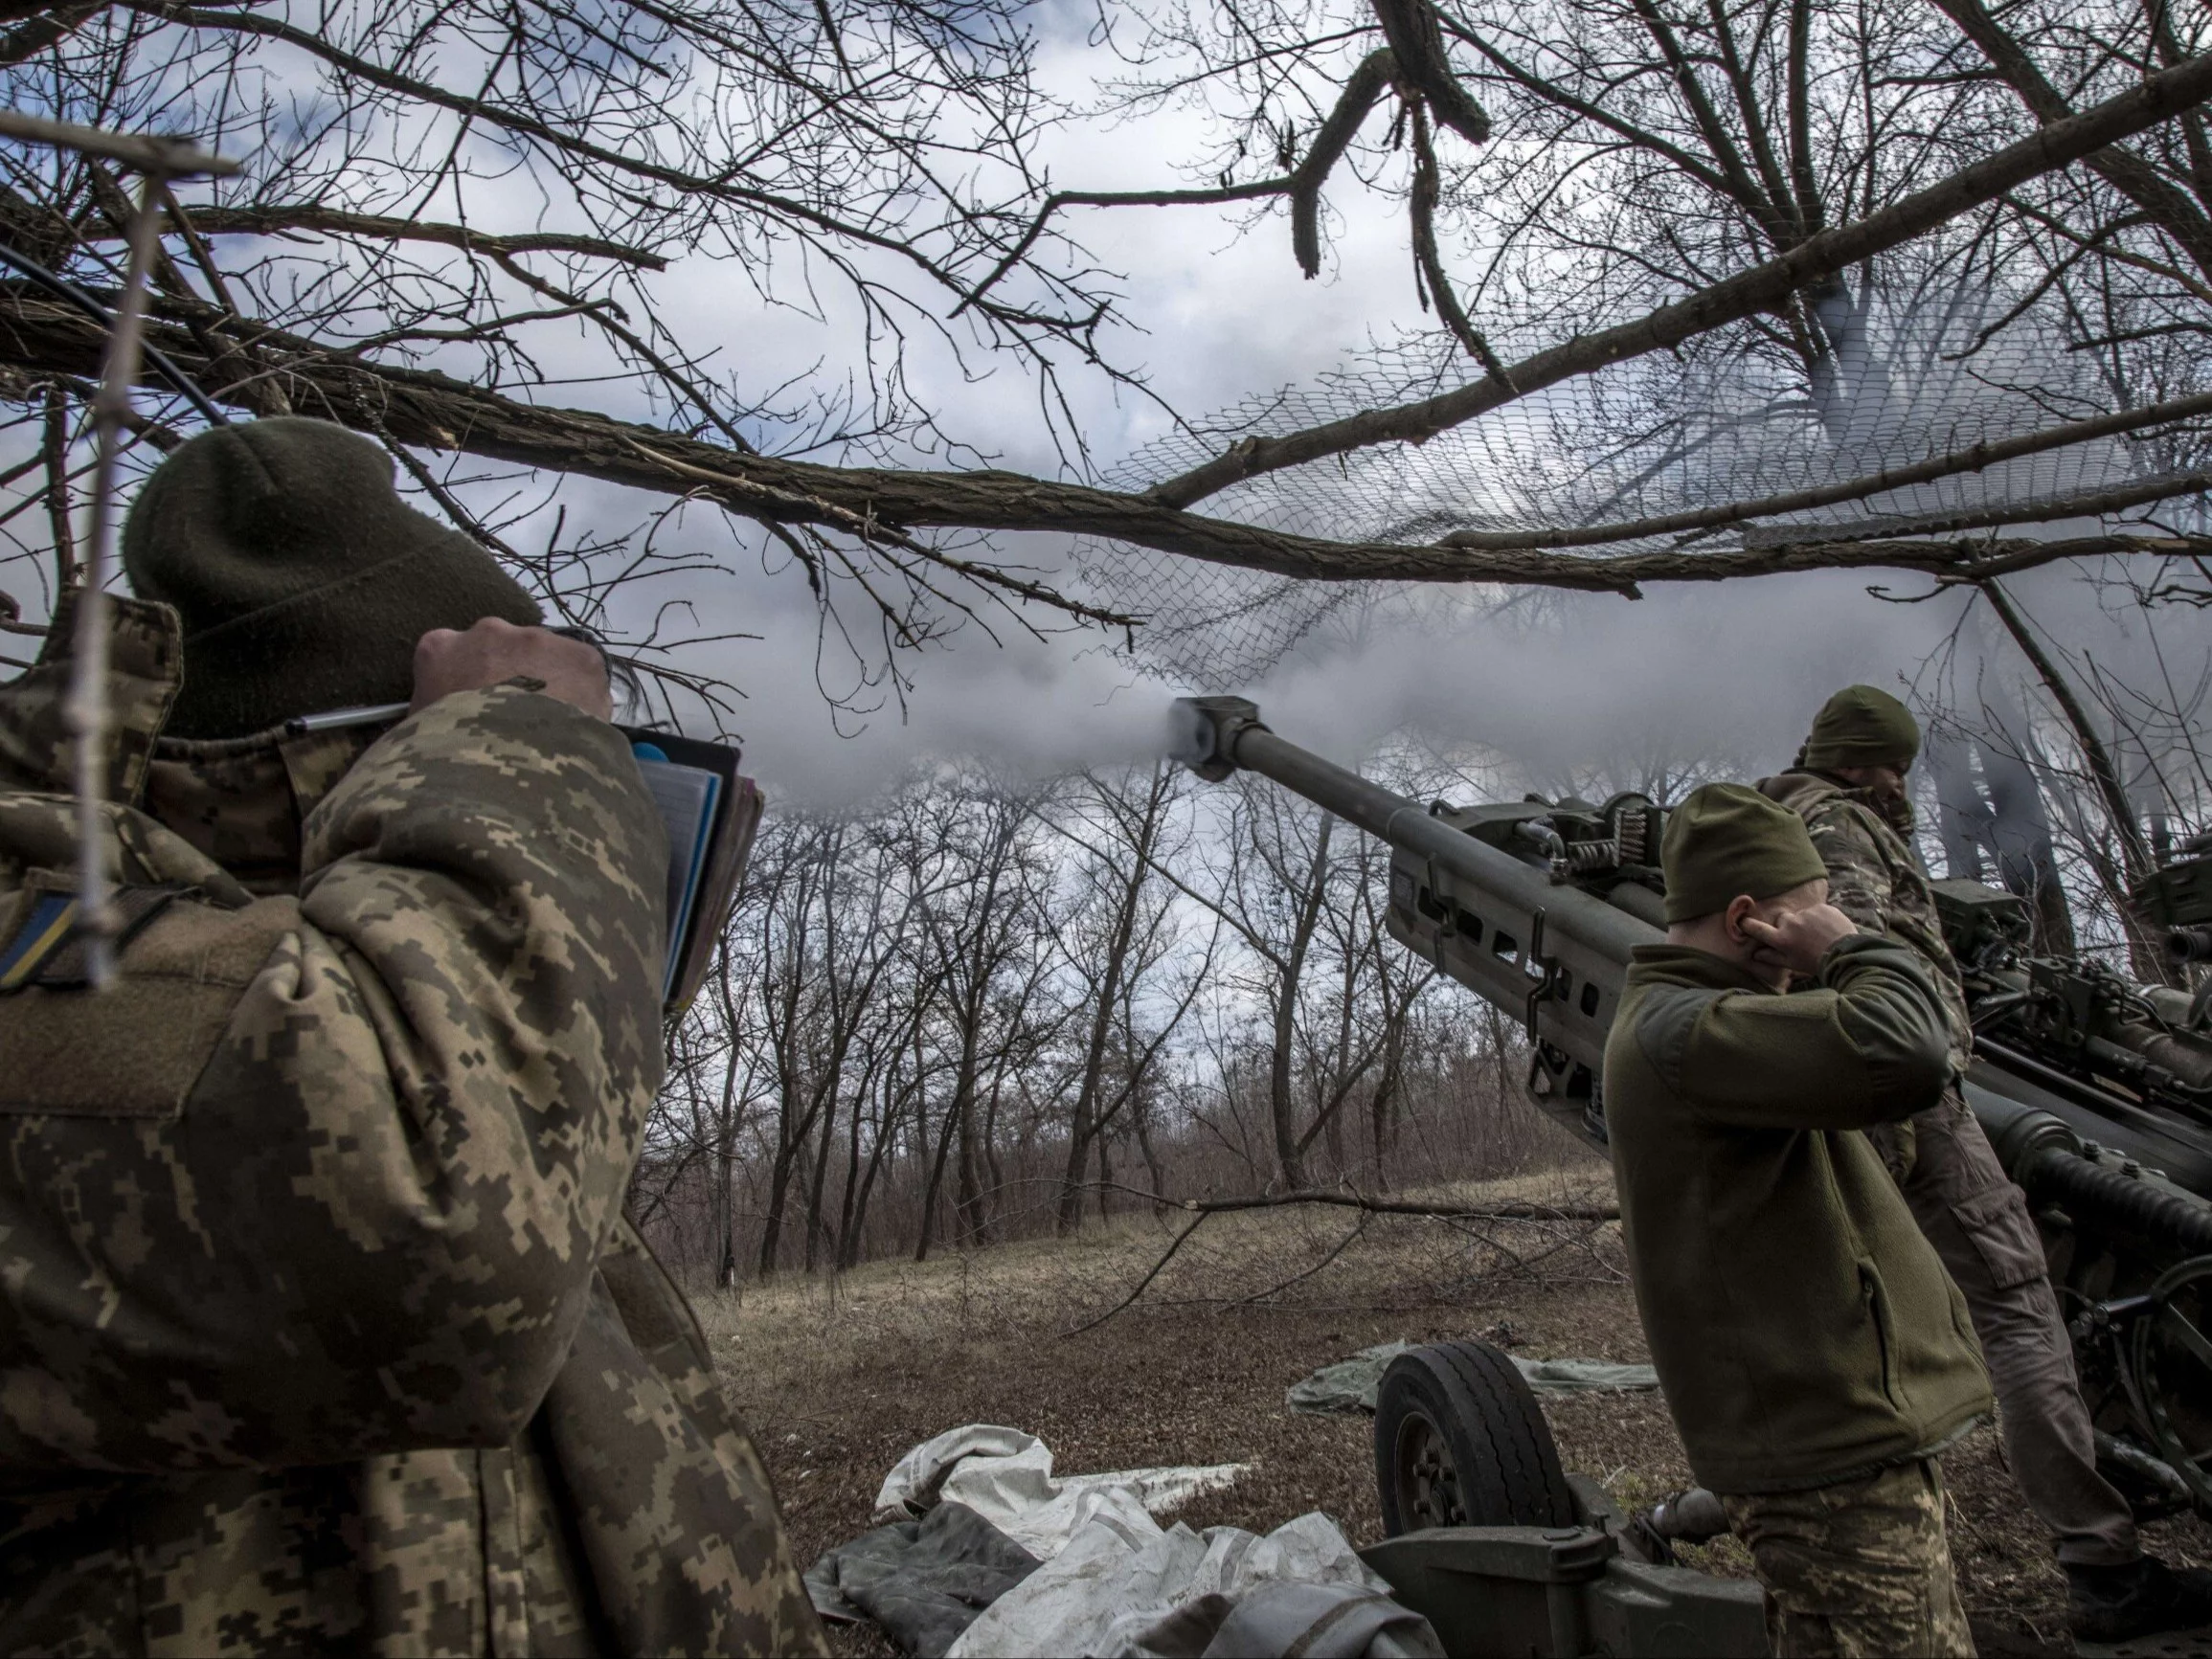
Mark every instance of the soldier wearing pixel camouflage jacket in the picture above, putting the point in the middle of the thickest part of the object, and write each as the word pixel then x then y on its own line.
pixel 321 1326
pixel 1848 787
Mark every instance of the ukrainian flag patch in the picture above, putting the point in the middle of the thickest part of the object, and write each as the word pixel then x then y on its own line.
pixel 43 932
pixel 48 951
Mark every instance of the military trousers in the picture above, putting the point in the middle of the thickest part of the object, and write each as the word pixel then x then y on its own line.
pixel 1980 1224
pixel 1861 1570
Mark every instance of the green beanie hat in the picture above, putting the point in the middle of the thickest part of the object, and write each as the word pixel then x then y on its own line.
pixel 1727 839
pixel 1861 725
pixel 301 578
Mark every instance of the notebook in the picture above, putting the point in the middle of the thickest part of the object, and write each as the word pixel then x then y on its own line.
pixel 711 813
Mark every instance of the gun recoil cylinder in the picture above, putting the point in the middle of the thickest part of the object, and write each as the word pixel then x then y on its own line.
pixel 2090 1191
pixel 2048 1161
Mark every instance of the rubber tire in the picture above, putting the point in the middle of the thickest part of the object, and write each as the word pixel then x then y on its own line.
pixel 1474 1400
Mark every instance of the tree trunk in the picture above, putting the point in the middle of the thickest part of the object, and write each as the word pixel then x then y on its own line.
pixel 2136 864
pixel 779 1192
pixel 817 1225
pixel 856 1225
pixel 936 1178
pixel 1383 1107
pixel 1140 1115
pixel 1282 1102
pixel 991 1163
pixel 968 1210
pixel 1083 1121
pixel 726 1209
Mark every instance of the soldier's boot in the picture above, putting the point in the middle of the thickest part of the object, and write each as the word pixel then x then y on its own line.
pixel 2139 1599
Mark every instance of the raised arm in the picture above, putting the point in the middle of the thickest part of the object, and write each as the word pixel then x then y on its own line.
pixel 1869 1044
pixel 371 1222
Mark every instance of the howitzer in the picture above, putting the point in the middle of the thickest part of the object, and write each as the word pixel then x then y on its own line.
pixel 2096 1091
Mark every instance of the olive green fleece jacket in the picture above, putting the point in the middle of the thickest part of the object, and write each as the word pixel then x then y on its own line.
pixel 1803 1329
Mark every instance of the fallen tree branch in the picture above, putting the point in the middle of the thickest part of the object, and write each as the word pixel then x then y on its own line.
pixel 1974 458
pixel 1197 1221
pixel 1348 1199
pixel 1256 191
pixel 1345 1197
pixel 1417 41
pixel 1359 1230
pixel 1365 84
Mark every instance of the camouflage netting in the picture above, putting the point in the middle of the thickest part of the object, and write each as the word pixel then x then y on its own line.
pixel 1657 435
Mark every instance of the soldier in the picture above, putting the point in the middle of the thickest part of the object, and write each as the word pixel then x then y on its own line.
pixel 1848 788
pixel 321 1324
pixel 1814 1357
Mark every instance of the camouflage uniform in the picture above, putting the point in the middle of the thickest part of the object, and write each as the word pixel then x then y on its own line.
pixel 1976 1217
pixel 321 1326
pixel 1856 1570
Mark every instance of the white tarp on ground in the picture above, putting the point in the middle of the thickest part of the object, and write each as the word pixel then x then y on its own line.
pixel 1126 1591
pixel 1349 1386
pixel 1006 1477
pixel 1114 1583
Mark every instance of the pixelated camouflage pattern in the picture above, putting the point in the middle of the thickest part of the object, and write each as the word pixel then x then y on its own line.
pixel 351 1347
pixel 1875 876
pixel 1858 1571
pixel 242 800
pixel 145 667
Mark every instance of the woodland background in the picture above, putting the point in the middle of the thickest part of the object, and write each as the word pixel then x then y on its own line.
pixel 1561 396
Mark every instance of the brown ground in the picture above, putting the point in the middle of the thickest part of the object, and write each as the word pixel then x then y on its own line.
pixel 838 1377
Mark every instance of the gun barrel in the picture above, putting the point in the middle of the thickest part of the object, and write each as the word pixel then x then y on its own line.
pixel 2092 1192
pixel 1526 941
pixel 2189 944
pixel 1538 945
pixel 1218 735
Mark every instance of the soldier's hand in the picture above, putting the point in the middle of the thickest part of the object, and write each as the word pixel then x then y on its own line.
pixel 1798 939
pixel 493 652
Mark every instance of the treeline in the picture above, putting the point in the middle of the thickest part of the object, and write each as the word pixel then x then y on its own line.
pixel 987 1008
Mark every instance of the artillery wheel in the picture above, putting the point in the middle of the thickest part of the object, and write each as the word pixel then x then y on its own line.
pixel 1460 1442
pixel 2170 1355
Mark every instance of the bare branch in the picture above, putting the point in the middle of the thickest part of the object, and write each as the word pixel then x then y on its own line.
pixel 2157 99
pixel 1366 85
pixel 313 219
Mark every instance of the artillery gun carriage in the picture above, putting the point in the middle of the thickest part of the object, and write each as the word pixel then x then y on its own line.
pixel 2094 1089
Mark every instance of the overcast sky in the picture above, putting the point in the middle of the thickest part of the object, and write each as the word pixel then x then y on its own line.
pixel 1583 684
pixel 1598 682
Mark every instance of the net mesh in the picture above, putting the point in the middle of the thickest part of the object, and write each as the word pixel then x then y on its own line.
pixel 1657 435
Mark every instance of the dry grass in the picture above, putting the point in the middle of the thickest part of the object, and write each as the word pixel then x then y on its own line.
pixel 840 1376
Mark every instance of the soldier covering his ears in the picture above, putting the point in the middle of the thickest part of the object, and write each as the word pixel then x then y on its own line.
pixel 1848 788
pixel 321 1326
pixel 1814 1357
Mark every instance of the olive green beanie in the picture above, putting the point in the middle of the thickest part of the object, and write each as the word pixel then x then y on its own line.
pixel 301 578
pixel 1861 725
pixel 1727 839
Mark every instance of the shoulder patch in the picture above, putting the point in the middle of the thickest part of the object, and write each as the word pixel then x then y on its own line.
pixel 44 928
pixel 1663 1024
pixel 48 949
pixel 135 1050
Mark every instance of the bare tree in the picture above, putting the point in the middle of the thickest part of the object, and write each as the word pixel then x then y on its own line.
pixel 833 934
pixel 976 868
pixel 1119 934
pixel 451 211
